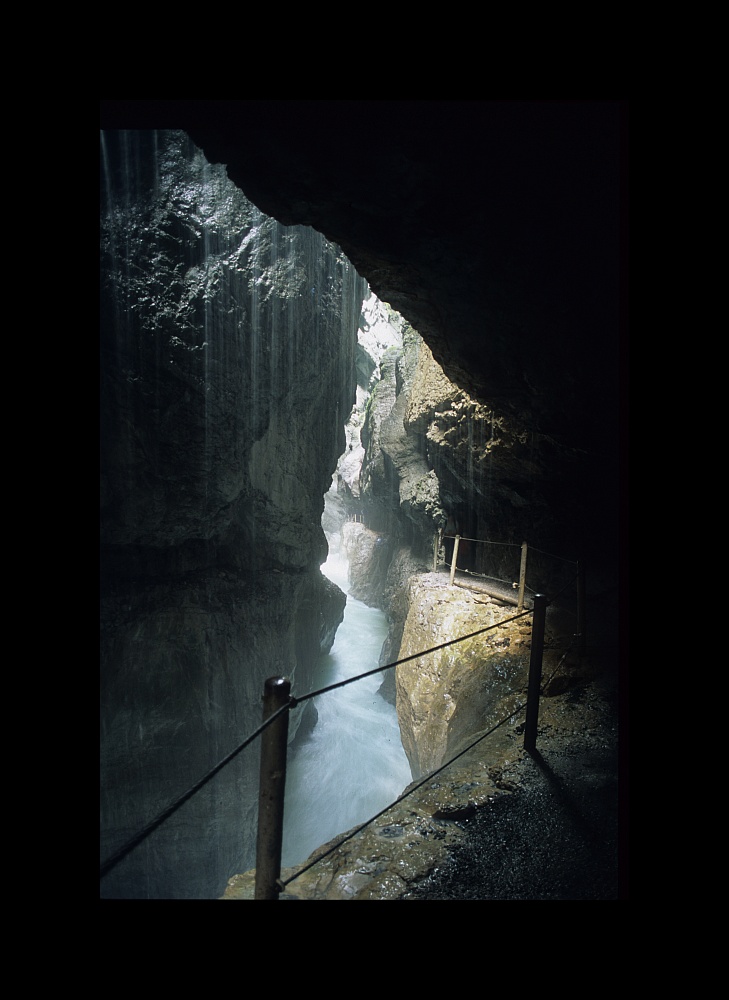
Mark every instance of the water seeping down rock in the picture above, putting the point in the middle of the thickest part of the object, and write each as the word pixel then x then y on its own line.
pixel 227 371
pixel 436 459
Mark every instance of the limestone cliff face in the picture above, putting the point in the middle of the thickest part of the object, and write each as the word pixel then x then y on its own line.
pixel 447 696
pixel 436 459
pixel 227 371
pixel 438 463
pixel 379 336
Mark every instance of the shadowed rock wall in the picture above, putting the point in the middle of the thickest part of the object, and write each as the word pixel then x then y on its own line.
pixel 227 371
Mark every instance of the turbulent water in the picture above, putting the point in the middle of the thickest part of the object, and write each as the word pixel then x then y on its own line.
pixel 353 764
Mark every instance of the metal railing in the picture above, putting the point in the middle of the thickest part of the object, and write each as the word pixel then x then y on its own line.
pixel 273 731
pixel 550 578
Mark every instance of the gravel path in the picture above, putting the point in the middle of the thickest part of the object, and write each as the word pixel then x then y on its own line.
pixel 555 838
pixel 558 834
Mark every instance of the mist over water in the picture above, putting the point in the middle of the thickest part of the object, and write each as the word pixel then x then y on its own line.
pixel 353 764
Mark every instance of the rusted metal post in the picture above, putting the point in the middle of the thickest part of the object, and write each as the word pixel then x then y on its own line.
pixel 522 576
pixel 454 558
pixel 271 789
pixel 535 671
pixel 581 617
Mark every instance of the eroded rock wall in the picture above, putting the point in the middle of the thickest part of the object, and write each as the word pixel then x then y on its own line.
pixel 437 464
pixel 227 371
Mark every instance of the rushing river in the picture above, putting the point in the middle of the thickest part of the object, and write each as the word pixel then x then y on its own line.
pixel 353 764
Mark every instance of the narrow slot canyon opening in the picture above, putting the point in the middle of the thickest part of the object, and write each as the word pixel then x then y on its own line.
pixel 350 764
pixel 229 362
pixel 249 530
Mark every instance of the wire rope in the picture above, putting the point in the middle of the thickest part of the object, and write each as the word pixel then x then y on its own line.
pixel 413 788
pixel 162 817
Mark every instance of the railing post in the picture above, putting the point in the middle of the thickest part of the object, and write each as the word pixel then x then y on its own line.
pixel 535 671
pixel 454 558
pixel 581 617
pixel 522 576
pixel 271 789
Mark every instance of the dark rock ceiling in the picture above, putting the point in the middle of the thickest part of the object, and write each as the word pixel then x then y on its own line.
pixel 495 228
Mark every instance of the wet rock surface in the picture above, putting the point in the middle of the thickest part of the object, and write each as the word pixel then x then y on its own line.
pixel 498 823
pixel 556 836
pixel 560 831
pixel 227 350
pixel 179 383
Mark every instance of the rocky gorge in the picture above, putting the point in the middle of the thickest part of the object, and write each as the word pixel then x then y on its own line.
pixel 222 333
pixel 234 346
pixel 461 708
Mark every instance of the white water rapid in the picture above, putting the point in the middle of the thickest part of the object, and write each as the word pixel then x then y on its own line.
pixel 353 764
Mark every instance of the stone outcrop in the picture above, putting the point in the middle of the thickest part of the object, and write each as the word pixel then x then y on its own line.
pixel 378 335
pixel 438 463
pixel 398 486
pixel 445 697
pixel 227 372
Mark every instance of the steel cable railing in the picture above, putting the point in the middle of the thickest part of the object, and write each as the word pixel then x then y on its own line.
pixel 142 835
pixel 440 539
pixel 282 883
pixel 291 702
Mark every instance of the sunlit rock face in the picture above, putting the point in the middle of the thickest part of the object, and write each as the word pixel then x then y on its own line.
pixel 399 489
pixel 227 371
pixel 435 460
pixel 437 463
pixel 378 336
pixel 445 697
pixel 370 554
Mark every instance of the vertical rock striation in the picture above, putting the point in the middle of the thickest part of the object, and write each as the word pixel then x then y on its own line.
pixel 227 371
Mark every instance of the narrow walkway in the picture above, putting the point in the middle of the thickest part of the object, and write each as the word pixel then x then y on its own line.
pixel 479 585
pixel 556 837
